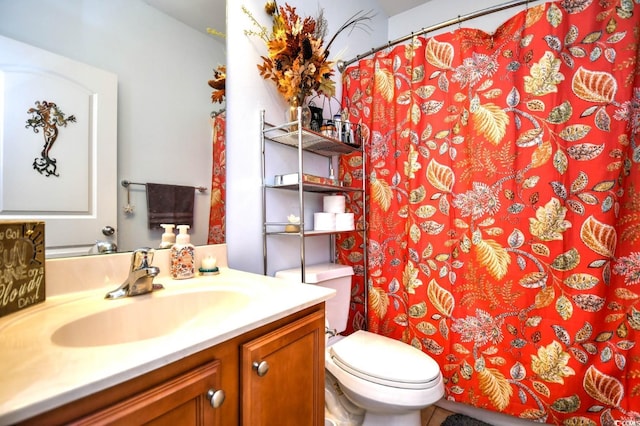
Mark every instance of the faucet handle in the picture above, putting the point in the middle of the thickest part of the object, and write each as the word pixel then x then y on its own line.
pixel 104 246
pixel 142 258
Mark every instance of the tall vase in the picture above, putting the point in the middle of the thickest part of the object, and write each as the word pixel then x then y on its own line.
pixel 292 113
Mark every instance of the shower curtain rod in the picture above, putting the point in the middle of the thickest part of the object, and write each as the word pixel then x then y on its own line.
pixel 342 65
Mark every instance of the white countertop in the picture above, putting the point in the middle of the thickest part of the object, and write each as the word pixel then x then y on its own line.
pixel 41 374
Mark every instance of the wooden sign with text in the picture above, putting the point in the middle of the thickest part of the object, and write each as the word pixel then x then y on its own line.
pixel 22 281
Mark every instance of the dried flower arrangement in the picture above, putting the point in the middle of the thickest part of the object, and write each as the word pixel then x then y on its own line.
pixel 218 84
pixel 297 60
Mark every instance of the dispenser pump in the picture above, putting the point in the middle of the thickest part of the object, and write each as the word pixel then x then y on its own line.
pixel 168 237
pixel 183 236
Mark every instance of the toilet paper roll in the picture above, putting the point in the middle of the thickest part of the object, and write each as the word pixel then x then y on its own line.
pixel 333 203
pixel 344 222
pixel 324 221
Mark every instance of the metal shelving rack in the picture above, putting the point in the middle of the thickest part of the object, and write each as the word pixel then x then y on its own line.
pixel 304 140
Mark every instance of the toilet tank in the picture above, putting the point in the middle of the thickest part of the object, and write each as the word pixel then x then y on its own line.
pixel 331 275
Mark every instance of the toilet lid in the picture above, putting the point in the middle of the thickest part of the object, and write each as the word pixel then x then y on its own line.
pixel 385 361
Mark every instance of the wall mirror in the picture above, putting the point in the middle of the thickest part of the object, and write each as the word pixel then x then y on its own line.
pixel 163 60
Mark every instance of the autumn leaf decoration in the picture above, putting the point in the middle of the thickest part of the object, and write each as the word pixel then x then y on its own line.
pixel 218 84
pixel 297 55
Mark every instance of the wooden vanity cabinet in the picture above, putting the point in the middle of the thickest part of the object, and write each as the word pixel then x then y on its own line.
pixel 283 376
pixel 185 399
pixel 290 393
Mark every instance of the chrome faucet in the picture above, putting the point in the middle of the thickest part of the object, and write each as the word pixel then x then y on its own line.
pixel 141 274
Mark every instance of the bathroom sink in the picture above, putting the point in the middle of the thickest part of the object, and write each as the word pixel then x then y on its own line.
pixel 149 316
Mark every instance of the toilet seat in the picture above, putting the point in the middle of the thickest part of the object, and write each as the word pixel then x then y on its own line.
pixel 385 361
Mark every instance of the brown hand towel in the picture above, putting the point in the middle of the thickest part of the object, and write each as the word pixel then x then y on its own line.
pixel 169 204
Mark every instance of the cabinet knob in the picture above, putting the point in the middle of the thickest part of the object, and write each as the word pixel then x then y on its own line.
pixel 215 397
pixel 261 367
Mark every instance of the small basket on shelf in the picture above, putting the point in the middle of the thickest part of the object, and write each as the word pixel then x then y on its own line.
pixel 337 127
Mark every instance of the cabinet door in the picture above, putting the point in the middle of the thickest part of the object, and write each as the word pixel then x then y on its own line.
pixel 183 400
pixel 283 375
pixel 64 174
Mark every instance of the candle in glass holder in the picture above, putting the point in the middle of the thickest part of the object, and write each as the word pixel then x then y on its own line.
pixel 208 263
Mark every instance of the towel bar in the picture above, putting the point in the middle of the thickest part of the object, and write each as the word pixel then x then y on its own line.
pixel 126 184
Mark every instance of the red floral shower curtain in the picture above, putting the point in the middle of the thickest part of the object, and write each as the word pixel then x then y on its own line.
pixel 504 208
pixel 218 182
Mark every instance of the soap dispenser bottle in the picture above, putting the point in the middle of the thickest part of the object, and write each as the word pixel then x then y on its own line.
pixel 183 255
pixel 168 237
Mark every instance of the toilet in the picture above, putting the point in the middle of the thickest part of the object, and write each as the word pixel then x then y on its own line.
pixel 381 381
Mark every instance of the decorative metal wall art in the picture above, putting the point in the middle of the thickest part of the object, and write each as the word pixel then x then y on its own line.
pixel 48 117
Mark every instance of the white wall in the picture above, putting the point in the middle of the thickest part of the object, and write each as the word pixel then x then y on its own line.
pixel 248 94
pixel 164 101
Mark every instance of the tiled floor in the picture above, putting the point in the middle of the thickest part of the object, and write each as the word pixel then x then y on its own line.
pixel 434 416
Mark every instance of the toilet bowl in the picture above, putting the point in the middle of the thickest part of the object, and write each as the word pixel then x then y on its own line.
pixel 385 381
pixel 390 380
